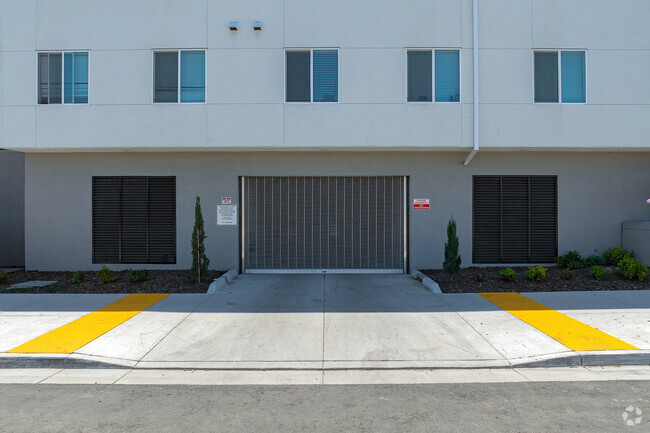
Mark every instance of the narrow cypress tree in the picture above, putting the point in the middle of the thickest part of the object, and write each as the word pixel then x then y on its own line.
pixel 452 258
pixel 199 260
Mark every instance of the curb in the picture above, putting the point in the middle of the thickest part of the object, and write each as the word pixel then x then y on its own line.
pixel 575 359
pixel 427 282
pixel 222 281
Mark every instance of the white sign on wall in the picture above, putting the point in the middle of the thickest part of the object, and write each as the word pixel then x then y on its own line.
pixel 226 200
pixel 421 203
pixel 227 215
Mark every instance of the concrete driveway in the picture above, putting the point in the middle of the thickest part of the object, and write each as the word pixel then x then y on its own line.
pixel 331 322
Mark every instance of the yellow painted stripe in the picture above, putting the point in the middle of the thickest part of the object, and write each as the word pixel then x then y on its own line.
pixel 82 331
pixel 572 333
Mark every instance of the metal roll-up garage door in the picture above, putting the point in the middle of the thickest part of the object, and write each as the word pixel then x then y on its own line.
pixel 307 224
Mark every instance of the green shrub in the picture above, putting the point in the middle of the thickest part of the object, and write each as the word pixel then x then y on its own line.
pixel 200 261
pixel 536 273
pixel 507 274
pixel 615 255
pixel 597 272
pixel 631 268
pixel 571 260
pixel 105 276
pixel 138 275
pixel 3 277
pixel 567 274
pixel 594 261
pixel 567 258
pixel 452 258
pixel 78 277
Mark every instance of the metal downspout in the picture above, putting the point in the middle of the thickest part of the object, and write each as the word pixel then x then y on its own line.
pixel 476 84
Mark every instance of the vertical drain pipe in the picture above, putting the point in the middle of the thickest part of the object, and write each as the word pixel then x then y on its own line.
pixel 476 84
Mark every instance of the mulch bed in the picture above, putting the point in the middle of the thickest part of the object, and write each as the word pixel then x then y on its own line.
pixel 162 281
pixel 473 280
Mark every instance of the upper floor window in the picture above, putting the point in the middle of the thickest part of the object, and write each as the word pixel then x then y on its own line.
pixel 179 76
pixel 63 77
pixel 433 75
pixel 560 76
pixel 312 75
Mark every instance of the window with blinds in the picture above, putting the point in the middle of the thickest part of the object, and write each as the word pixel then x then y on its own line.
pixel 76 78
pixel 185 83
pixel 546 77
pixel 134 220
pixel 447 75
pixel 63 78
pixel 514 219
pixel 573 77
pixel 560 76
pixel 433 75
pixel 312 75
pixel 420 67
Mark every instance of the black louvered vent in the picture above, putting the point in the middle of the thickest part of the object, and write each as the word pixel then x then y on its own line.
pixel 515 219
pixel 134 220
pixel 106 220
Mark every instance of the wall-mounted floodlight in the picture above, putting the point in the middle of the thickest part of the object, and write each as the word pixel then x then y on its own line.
pixel 233 26
pixel 257 25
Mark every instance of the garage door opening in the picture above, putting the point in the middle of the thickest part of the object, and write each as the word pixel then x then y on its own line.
pixel 314 224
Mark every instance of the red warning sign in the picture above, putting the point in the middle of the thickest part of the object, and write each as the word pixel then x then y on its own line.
pixel 421 203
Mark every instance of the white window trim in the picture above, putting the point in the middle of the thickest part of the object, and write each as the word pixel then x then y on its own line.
pixel 178 83
pixel 559 74
pixel 433 75
pixel 38 84
pixel 311 75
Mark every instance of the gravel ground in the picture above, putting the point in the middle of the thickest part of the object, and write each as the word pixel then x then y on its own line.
pixel 157 282
pixel 472 280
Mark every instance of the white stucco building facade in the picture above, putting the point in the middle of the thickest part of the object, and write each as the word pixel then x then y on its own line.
pixel 592 157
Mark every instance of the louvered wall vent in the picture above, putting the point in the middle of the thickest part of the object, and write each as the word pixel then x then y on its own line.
pixel 134 220
pixel 514 219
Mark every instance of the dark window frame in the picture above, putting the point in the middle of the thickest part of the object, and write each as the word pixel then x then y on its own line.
pixel 499 260
pixel 148 244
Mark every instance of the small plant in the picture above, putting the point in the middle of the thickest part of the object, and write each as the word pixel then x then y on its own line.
pixel 507 274
pixel 567 274
pixel 536 273
pixel 452 259
pixel 594 261
pixel 200 261
pixel 631 268
pixel 597 272
pixel 105 276
pixel 571 260
pixel 138 275
pixel 78 277
pixel 3 277
pixel 615 255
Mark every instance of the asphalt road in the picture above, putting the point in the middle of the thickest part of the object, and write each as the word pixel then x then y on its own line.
pixel 509 407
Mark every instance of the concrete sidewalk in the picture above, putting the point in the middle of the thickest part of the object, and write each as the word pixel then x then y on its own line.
pixel 333 322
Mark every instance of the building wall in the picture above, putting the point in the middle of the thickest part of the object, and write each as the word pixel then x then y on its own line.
pixel 245 74
pixel 12 209
pixel 596 193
